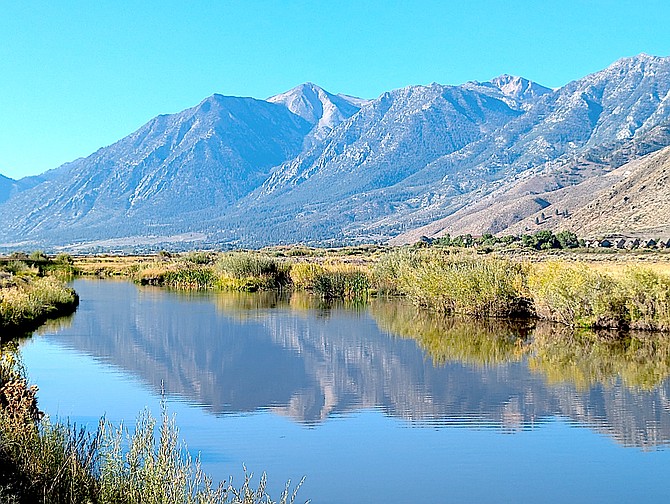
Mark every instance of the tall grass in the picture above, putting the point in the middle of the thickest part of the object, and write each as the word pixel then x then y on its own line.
pixel 251 271
pixel 571 293
pixel 575 295
pixel 332 281
pixel 46 462
pixel 461 283
pixel 25 302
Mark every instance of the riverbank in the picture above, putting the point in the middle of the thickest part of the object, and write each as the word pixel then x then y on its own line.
pixel 47 462
pixel 581 288
pixel 27 300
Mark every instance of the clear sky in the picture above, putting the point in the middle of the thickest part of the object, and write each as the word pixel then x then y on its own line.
pixel 79 75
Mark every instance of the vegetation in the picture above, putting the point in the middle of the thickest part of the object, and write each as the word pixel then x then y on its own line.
pixel 542 240
pixel 574 294
pixel 447 279
pixel 49 462
pixel 456 283
pixel 27 298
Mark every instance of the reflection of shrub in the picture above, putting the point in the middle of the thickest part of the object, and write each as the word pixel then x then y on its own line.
pixel 586 357
pixel 451 339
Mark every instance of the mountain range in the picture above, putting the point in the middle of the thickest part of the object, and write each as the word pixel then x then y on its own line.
pixel 507 155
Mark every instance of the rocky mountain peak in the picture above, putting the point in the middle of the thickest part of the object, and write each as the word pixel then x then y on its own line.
pixel 318 107
pixel 518 88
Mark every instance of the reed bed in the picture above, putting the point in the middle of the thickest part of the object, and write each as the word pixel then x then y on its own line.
pixel 461 283
pixel 572 293
pixel 332 281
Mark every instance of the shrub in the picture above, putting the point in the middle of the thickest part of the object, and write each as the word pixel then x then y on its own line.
pixel 251 271
pixel 462 283
pixel 647 298
pixel 576 295
pixel 29 302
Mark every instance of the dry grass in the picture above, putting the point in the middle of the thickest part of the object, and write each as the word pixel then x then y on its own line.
pixel 27 301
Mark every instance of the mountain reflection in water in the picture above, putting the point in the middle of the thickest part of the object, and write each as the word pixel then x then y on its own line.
pixel 237 352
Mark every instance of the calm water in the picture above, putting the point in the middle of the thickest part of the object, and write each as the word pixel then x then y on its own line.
pixel 376 404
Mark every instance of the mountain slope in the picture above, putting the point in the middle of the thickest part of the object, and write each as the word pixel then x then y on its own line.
pixel 201 159
pixel 545 197
pixel 6 187
pixel 423 153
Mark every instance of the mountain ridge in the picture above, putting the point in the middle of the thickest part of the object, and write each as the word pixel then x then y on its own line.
pixel 310 166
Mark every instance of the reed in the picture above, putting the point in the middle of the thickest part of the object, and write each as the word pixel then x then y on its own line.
pixel 49 462
pixel 458 283
pixel 575 295
pixel 251 271
pixel 332 281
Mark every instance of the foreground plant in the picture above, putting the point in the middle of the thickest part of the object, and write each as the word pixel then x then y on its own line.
pixel 49 462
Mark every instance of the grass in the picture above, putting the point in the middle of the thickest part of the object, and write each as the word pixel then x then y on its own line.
pixel 570 292
pixel 626 290
pixel 27 301
pixel 332 281
pixel 460 283
pixel 44 462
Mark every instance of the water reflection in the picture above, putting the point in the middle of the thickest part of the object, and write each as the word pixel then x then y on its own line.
pixel 293 355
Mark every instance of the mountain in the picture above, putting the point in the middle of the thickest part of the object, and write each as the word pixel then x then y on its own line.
pixel 6 187
pixel 201 159
pixel 423 153
pixel 323 110
pixel 556 198
pixel 308 165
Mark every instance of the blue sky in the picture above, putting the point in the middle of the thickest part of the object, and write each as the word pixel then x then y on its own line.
pixel 79 75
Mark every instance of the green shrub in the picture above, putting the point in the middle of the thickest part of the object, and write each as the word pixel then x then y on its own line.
pixel 251 271
pixel 30 301
pixel 462 283
pixel 647 298
pixel 574 294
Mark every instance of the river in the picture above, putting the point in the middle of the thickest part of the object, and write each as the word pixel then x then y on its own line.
pixel 375 403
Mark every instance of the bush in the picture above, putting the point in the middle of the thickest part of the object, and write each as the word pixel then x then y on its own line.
pixel 33 300
pixel 461 283
pixel 251 271
pixel 573 294
pixel 647 298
